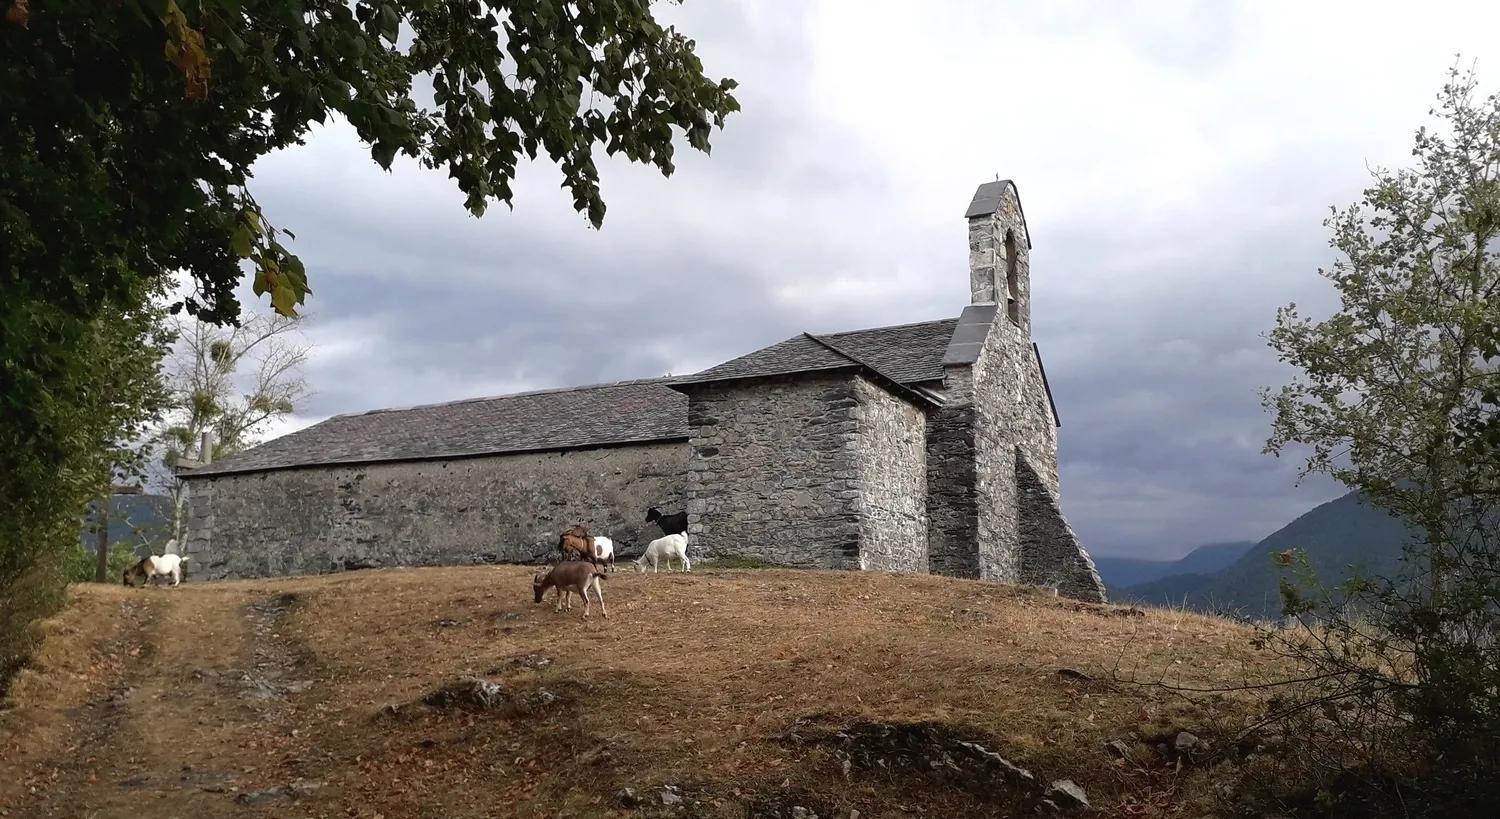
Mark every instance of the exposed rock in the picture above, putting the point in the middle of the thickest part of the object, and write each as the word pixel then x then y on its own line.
pixel 1011 769
pixel 1186 743
pixel 1118 748
pixel 279 792
pixel 120 695
pixel 1066 794
pixel 541 697
pixel 469 693
pixel 204 780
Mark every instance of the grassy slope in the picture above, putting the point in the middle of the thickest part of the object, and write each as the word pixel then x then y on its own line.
pixel 1335 536
pixel 727 683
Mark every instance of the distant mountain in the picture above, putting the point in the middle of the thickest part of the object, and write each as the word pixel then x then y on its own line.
pixel 133 519
pixel 1120 572
pixel 1339 535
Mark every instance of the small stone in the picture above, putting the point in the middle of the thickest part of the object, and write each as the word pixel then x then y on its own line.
pixel 799 812
pixel 854 813
pixel 543 697
pixel 670 796
pixel 1185 742
pixel 1066 794
pixel 1118 748
pixel 469 692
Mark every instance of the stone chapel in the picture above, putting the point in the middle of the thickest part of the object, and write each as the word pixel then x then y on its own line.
pixel 928 447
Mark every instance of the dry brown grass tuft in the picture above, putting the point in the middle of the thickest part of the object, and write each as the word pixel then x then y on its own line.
pixel 732 685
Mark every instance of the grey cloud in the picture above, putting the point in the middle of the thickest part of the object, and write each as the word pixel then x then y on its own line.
pixel 1159 391
pixel 1156 384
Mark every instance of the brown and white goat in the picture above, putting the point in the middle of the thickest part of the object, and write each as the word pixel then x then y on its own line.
pixel 595 548
pixel 152 567
pixel 570 577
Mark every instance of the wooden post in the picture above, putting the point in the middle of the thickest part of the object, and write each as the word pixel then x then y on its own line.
pixel 101 565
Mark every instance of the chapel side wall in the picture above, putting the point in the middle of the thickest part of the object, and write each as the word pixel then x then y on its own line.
pixel 891 465
pixel 996 402
pixel 1023 535
pixel 952 511
pixel 1036 426
pixel 498 509
pixel 1050 551
pixel 772 475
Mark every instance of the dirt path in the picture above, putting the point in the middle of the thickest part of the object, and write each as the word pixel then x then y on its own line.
pixel 195 720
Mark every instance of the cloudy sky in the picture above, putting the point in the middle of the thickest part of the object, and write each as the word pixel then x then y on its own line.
pixel 1175 159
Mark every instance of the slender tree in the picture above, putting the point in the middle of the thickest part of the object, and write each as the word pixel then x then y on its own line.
pixel 1389 390
pixel 229 382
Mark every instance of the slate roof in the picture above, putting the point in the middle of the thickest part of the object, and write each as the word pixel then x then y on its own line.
pixel 905 353
pixel 598 415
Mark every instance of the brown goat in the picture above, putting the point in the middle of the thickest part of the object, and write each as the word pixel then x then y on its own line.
pixel 569 578
pixel 576 541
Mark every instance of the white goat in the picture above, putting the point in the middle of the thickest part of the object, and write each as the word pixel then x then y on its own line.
pixel 155 566
pixel 665 548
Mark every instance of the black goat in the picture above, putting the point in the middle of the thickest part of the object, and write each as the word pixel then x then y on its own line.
pixel 670 524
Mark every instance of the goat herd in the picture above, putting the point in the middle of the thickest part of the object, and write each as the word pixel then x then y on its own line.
pixel 575 572
pixel 581 554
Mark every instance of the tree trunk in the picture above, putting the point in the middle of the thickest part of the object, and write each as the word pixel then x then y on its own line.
pixel 179 498
pixel 101 565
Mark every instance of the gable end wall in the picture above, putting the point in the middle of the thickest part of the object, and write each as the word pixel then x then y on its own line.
pixel 771 473
pixel 890 458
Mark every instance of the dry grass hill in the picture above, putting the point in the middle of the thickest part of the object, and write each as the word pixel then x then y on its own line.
pixel 721 692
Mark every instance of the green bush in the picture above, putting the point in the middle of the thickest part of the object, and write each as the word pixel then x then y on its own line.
pixel 83 561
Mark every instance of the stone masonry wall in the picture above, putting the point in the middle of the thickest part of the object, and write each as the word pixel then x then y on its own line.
pixel 1021 539
pixel 953 516
pixel 1036 427
pixel 996 405
pixel 433 513
pixel 1050 552
pixel 771 474
pixel 891 464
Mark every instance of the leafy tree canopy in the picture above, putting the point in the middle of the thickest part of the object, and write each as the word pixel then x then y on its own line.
pixel 131 125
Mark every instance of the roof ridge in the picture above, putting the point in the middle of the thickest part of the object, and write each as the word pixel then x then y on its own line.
pixel 524 393
pixel 892 326
pixel 900 388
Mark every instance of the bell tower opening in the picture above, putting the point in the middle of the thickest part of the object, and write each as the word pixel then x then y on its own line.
pixel 1012 280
